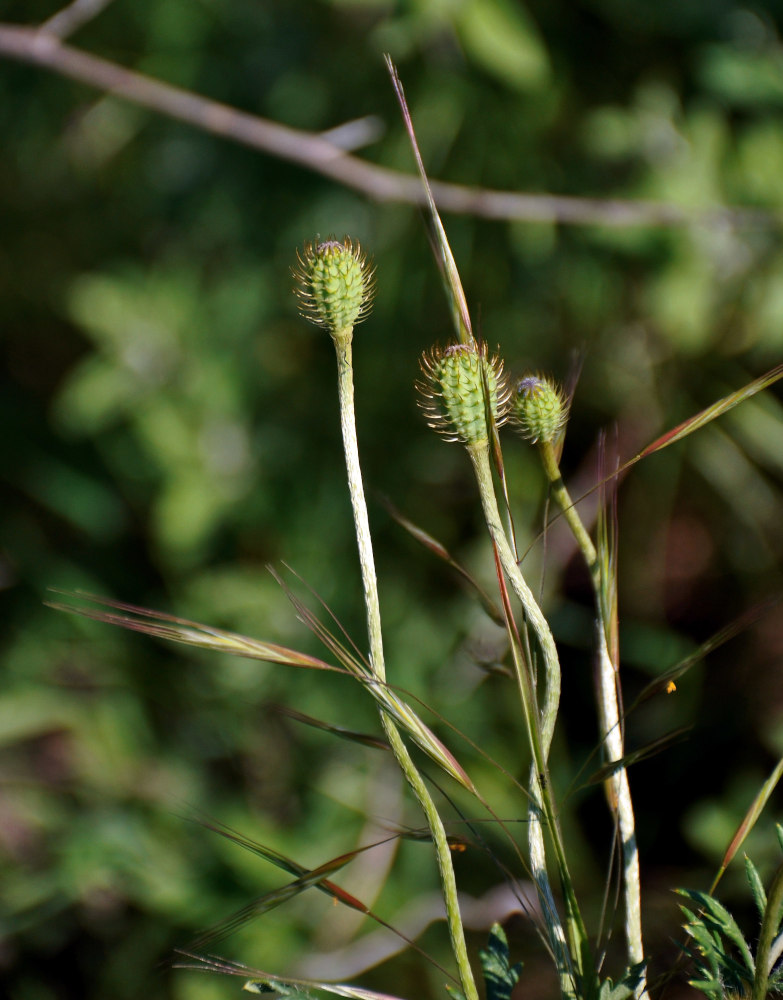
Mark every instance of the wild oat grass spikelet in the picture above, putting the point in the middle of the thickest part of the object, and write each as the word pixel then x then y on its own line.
pixel 334 284
pixel 456 383
pixel 539 409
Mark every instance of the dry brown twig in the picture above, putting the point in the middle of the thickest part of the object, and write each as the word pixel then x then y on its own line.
pixel 43 47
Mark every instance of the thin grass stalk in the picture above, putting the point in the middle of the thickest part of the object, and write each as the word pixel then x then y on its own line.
pixel 342 342
pixel 609 715
pixel 541 726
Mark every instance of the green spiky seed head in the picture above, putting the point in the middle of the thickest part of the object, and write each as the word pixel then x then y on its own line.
pixel 539 409
pixel 456 383
pixel 334 284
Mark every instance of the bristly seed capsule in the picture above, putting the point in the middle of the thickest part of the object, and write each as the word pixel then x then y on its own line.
pixel 456 383
pixel 539 409
pixel 334 284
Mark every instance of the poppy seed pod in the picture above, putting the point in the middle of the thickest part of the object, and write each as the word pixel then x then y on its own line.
pixel 334 284
pixel 539 409
pixel 456 383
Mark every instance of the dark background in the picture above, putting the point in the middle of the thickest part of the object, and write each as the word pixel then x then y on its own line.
pixel 170 428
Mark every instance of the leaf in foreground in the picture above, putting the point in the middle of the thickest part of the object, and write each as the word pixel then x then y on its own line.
pixel 500 977
pixel 264 982
pixel 170 627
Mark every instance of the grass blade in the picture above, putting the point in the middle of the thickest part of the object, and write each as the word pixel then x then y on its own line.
pixel 440 550
pixel 266 982
pixel 366 739
pixel 710 413
pixel 164 626
pixel 749 821
pixel 270 901
pixel 440 243
pixel 666 681
pixel 650 749
pixel 383 694
pixel 306 878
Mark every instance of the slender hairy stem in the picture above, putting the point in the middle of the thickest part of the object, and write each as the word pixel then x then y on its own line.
pixel 769 927
pixel 541 726
pixel 571 514
pixel 609 715
pixel 622 804
pixel 342 342
pixel 479 455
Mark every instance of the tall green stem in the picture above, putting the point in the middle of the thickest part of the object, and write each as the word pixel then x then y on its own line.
pixel 769 928
pixel 609 716
pixel 343 347
pixel 342 342
pixel 541 726
pixel 571 514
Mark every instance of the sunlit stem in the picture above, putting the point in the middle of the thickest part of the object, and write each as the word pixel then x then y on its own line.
pixel 342 343
pixel 541 725
pixel 570 513
pixel 769 927
pixel 609 714
pixel 343 346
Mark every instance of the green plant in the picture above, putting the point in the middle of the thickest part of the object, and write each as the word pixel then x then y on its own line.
pixel 724 962
pixel 466 396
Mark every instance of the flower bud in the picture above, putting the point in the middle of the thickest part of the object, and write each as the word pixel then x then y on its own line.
pixel 457 381
pixel 539 409
pixel 334 284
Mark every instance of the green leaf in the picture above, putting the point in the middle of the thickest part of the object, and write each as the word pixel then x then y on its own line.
pixel 500 978
pixel 708 946
pixel 756 887
pixel 626 987
pixel 712 987
pixel 718 920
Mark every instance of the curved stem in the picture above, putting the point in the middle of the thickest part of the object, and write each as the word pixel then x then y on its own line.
pixel 342 343
pixel 541 727
pixel 609 717
pixel 479 455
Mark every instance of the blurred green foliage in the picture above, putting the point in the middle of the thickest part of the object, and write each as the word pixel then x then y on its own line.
pixel 171 428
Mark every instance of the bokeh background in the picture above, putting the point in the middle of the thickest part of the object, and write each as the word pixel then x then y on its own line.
pixel 170 429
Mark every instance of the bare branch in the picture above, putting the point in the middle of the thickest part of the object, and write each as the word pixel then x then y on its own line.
pixel 68 20
pixel 356 133
pixel 313 152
